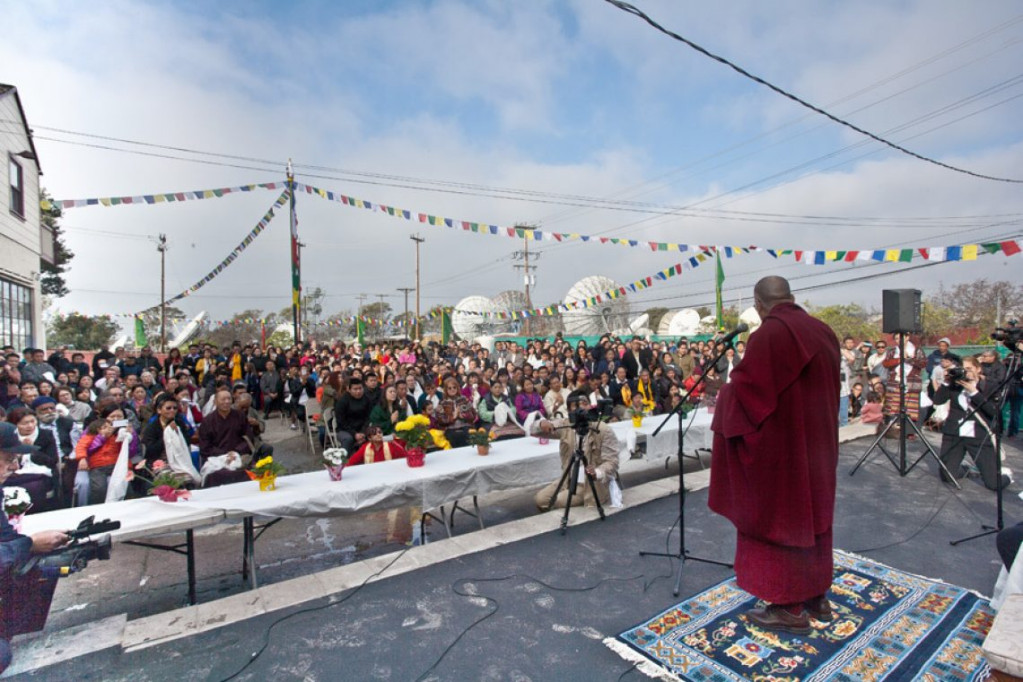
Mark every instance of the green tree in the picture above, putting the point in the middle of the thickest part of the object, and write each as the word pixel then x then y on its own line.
pixel 704 311
pixel 936 320
pixel 52 279
pixel 846 320
pixel 380 310
pixel 81 332
pixel 151 322
pixel 245 327
pixel 978 303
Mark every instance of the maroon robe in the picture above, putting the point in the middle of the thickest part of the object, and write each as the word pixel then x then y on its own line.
pixel 775 456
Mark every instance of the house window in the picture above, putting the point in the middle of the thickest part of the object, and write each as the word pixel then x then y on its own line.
pixel 15 315
pixel 17 182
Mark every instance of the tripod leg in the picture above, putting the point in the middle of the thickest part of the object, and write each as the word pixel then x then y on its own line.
pixel 596 499
pixel 876 444
pixel 574 471
pixel 928 450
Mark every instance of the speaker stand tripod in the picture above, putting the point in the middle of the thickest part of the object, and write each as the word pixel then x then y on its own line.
pixel 903 421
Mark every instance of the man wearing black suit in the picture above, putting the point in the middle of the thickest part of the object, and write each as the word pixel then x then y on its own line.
pixel 636 358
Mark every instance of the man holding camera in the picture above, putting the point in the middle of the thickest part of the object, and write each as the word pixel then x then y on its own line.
pixel 601 448
pixel 967 393
pixel 24 601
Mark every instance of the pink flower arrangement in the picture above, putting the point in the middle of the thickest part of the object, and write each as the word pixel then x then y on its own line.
pixel 165 493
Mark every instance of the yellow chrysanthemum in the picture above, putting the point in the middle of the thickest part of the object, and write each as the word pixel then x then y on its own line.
pixel 403 425
pixel 420 420
pixel 266 461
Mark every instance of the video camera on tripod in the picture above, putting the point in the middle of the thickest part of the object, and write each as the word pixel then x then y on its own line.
pixel 582 417
pixel 76 555
pixel 1010 335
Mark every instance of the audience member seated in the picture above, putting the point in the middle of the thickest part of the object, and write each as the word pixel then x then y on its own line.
pixel 376 449
pixel 222 432
pixel 39 473
pixel 351 413
pixel 98 449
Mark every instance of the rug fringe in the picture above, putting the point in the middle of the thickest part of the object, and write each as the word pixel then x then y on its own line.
pixel 643 664
pixel 975 593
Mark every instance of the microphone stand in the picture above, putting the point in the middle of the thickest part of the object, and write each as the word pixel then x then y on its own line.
pixel 683 554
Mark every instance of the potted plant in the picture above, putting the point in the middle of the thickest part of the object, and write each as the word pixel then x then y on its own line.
pixel 165 484
pixel 636 411
pixel 334 461
pixel 266 472
pixel 16 502
pixel 481 438
pixel 415 431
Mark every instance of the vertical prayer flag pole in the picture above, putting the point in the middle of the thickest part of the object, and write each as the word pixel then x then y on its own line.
pixel 296 265
pixel 717 289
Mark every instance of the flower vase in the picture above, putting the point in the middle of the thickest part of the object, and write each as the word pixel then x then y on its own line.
pixel 483 449
pixel 267 482
pixel 637 421
pixel 15 521
pixel 334 471
pixel 415 457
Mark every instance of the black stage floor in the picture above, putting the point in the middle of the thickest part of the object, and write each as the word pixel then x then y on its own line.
pixel 552 599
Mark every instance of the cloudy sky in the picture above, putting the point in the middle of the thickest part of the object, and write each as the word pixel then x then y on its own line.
pixel 494 112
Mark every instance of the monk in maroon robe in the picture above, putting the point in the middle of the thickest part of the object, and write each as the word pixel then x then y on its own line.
pixel 775 458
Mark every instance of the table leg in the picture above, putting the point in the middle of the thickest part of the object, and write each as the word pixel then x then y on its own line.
pixel 250 551
pixel 190 560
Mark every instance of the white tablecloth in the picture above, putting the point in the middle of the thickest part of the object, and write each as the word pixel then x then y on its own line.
pixel 448 476
pixel 139 518
pixel 697 434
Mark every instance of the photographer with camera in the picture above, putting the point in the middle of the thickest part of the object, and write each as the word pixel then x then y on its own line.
pixel 966 393
pixel 24 600
pixel 600 446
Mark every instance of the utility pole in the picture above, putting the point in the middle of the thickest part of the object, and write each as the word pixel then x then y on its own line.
pixel 162 248
pixel 406 290
pixel 296 262
pixel 418 240
pixel 362 298
pixel 526 268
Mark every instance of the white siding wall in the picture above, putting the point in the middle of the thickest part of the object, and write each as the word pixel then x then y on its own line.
pixel 19 238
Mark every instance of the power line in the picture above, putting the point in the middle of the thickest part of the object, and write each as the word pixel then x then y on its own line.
pixel 631 9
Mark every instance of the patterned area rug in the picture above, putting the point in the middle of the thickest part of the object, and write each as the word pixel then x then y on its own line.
pixel 889 625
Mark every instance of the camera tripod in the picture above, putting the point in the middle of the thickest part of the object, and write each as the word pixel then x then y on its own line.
pixel 577 464
pixel 683 554
pixel 902 419
pixel 995 434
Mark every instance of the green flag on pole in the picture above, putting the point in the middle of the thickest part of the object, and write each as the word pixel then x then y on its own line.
pixel 140 333
pixel 446 330
pixel 359 330
pixel 717 299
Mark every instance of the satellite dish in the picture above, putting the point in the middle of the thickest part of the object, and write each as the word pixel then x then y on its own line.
pixel 466 319
pixel 709 324
pixel 685 323
pixel 640 323
pixel 751 317
pixel 506 302
pixel 597 319
pixel 188 331
pixel 120 342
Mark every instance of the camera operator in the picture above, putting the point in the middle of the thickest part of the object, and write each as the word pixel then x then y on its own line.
pixel 600 446
pixel 24 601
pixel 965 391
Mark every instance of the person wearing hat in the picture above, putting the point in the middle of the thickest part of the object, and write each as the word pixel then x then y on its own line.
pixel 941 352
pixel 25 600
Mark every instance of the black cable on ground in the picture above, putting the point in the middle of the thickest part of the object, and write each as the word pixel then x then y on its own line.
pixel 497 606
pixel 266 635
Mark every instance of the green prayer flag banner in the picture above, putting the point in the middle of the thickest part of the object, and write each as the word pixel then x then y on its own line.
pixel 446 330
pixel 140 332
pixel 718 303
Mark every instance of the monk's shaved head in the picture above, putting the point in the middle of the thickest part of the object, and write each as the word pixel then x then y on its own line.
pixel 770 291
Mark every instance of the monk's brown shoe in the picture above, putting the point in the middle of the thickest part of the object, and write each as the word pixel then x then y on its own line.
pixel 819 608
pixel 774 617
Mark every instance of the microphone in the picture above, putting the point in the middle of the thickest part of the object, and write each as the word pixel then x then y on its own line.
pixel 727 338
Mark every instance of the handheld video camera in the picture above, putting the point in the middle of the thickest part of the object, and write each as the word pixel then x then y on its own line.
pixel 77 554
pixel 953 375
pixel 1010 335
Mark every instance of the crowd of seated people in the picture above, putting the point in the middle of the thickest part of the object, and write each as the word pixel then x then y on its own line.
pixel 220 398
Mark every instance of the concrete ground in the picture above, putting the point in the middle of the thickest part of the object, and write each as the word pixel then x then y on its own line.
pixel 551 598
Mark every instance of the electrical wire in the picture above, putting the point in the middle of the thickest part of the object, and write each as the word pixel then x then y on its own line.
pixel 266 634
pixel 631 9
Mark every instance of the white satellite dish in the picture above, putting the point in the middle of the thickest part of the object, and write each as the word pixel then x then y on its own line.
pixel 640 323
pixel 751 317
pixel 665 323
pixel 466 320
pixel 685 323
pixel 709 324
pixel 120 342
pixel 189 331
pixel 508 301
pixel 597 319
